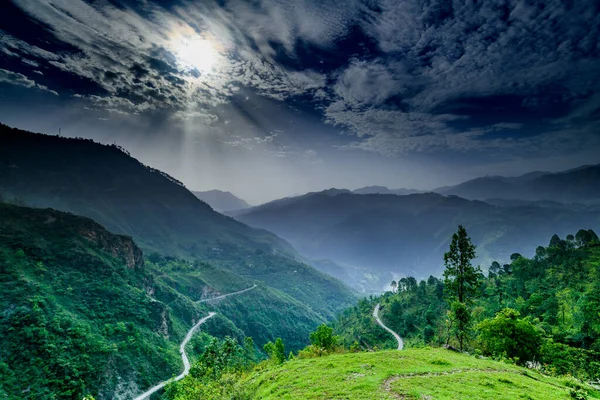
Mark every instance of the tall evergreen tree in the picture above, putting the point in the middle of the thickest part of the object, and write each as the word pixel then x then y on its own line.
pixel 461 282
pixel 460 277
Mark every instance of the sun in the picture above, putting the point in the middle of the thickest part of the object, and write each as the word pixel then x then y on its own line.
pixel 197 54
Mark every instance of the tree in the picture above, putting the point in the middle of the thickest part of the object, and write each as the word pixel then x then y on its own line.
pixel 276 351
pixel 459 322
pixel 323 339
pixel 585 237
pixel 411 284
pixel 507 335
pixel 461 281
pixel 494 270
pixel 515 256
pixel 460 277
pixel 394 285
pixel 555 241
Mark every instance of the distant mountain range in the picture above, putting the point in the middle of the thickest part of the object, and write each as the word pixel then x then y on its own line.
pixel 221 201
pixel 377 237
pixel 579 185
pixel 385 190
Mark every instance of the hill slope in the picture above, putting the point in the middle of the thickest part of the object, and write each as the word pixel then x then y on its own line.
pixel 79 315
pixel 221 201
pixel 106 184
pixel 410 374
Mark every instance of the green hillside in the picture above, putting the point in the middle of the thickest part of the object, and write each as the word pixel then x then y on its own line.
pixel 410 374
pixel 78 315
pixel 546 306
pixel 85 313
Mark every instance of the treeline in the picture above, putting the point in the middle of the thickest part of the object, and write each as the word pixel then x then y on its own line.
pixel 542 311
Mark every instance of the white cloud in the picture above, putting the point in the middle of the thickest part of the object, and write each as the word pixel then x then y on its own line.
pixel 15 78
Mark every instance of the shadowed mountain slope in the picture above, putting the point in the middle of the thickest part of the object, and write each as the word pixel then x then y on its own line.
pixel 106 184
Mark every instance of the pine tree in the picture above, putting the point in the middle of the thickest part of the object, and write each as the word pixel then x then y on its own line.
pixel 461 282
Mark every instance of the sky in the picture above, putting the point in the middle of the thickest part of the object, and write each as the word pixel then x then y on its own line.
pixel 271 98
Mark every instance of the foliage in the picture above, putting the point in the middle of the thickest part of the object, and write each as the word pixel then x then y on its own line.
pixel 323 338
pixel 459 322
pixel 460 277
pixel 239 316
pixel 69 287
pixel 323 342
pixel 77 314
pixel 508 336
pixel 276 351
pixel 217 372
pixel 461 284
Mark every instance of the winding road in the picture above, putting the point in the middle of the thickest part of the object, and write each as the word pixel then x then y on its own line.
pixel 226 295
pixel 184 357
pixel 398 338
pixel 188 337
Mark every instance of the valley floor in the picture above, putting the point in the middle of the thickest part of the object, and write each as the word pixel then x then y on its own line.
pixel 411 374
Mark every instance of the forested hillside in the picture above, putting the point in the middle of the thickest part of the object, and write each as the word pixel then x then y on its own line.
pixel 542 309
pixel 85 313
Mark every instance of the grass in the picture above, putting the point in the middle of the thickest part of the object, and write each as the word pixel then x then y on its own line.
pixel 410 374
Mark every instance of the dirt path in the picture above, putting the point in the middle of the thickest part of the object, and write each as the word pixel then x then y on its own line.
pixel 398 338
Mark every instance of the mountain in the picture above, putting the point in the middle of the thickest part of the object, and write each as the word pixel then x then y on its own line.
pixel 380 237
pixel 221 201
pixel 126 197
pixel 106 184
pixel 580 185
pixel 385 190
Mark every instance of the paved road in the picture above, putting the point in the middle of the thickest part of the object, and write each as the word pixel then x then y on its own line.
pixel 398 338
pixel 184 357
pixel 226 295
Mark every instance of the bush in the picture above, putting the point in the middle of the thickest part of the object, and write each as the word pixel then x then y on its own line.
pixel 276 351
pixel 507 335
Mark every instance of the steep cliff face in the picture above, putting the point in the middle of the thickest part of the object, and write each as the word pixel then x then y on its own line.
pixel 119 246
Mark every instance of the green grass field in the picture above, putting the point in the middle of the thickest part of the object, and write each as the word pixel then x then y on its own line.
pixel 410 374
